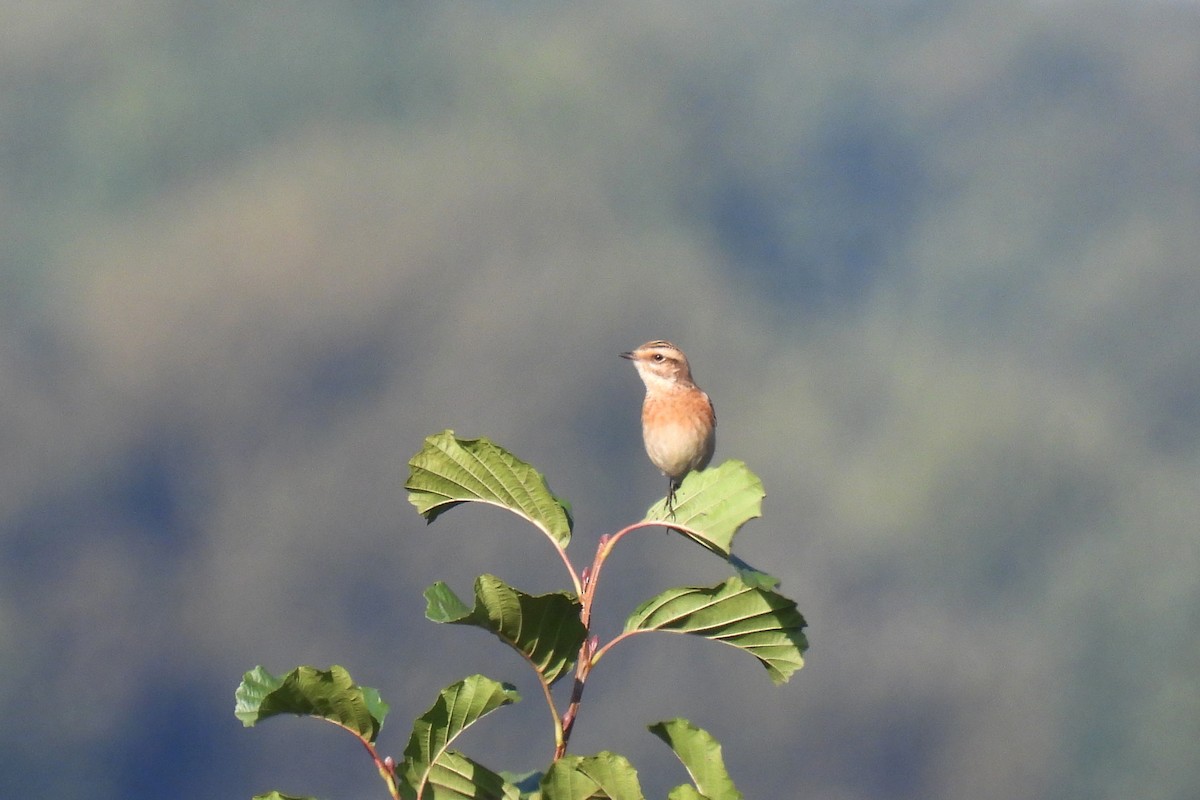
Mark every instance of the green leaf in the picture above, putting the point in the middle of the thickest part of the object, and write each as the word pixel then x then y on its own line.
pixel 431 769
pixel 448 471
pixel 280 796
pixel 456 777
pixel 526 782
pixel 701 755
pixel 711 505
pixel 763 623
pixel 604 775
pixel 753 576
pixel 545 629
pixel 326 694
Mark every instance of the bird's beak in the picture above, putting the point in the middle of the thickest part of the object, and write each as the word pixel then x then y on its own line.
pixel 627 355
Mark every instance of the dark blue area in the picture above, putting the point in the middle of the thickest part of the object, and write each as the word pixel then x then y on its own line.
pixel 146 494
pixel 1175 421
pixel 176 744
pixel 1051 68
pixel 823 228
pixel 345 373
pixel 146 491
pixel 33 536
pixel 895 756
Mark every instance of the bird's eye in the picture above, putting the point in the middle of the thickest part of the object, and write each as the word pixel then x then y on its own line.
pixel 659 357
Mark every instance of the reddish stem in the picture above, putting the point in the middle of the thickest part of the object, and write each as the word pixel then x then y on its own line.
pixel 589 652
pixel 387 768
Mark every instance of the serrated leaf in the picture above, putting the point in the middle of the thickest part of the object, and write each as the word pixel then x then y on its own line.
pixel 604 775
pixel 711 505
pixel 763 623
pixel 456 777
pixel 431 769
pixel 307 691
pixel 545 629
pixel 701 756
pixel 448 471
pixel 563 781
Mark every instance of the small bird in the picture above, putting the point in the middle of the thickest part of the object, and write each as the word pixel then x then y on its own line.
pixel 679 424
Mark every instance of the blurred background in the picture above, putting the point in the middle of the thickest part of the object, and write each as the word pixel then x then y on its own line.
pixel 935 262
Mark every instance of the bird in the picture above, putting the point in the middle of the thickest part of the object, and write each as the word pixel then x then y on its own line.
pixel 679 424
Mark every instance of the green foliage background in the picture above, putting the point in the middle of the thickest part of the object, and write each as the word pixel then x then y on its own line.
pixel 935 262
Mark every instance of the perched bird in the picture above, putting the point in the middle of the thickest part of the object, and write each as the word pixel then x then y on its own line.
pixel 678 422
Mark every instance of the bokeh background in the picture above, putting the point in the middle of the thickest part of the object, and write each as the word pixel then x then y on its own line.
pixel 937 263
